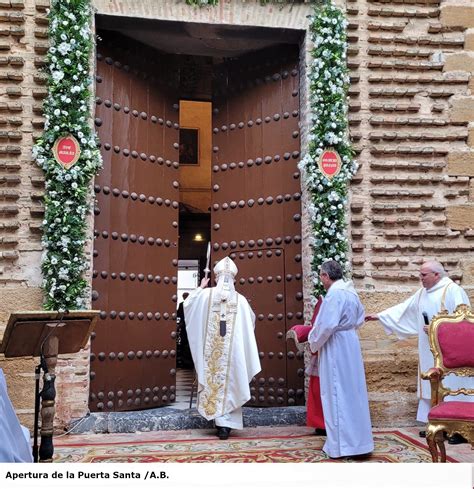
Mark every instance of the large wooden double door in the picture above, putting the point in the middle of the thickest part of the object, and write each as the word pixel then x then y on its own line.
pixel 256 206
pixel 255 216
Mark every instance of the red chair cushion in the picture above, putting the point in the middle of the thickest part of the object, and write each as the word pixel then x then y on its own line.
pixel 456 341
pixel 302 332
pixel 452 410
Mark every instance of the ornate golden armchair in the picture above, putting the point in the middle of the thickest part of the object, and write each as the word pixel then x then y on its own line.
pixel 452 343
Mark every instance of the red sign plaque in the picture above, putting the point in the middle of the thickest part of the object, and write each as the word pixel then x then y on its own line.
pixel 330 163
pixel 66 151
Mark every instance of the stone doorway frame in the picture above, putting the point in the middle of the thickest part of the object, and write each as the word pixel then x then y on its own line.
pixel 238 13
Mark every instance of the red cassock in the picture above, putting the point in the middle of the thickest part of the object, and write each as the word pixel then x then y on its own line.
pixel 314 408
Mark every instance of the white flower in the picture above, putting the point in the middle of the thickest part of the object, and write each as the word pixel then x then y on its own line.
pixel 57 76
pixel 64 48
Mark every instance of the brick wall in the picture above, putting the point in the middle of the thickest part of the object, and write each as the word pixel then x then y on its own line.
pixel 410 117
pixel 412 122
pixel 22 31
pixel 23 44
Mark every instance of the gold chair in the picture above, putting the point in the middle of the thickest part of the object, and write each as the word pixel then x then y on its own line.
pixel 452 343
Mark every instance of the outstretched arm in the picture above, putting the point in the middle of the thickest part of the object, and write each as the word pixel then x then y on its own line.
pixel 189 303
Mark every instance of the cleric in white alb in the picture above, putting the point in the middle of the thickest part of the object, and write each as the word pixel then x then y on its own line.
pixel 220 326
pixel 406 319
pixel 14 438
pixel 341 369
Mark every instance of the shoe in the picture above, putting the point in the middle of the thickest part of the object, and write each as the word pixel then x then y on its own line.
pixel 456 439
pixel 223 432
pixel 320 432
pixel 422 434
pixel 362 456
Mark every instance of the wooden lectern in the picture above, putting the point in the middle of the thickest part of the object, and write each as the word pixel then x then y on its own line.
pixel 46 334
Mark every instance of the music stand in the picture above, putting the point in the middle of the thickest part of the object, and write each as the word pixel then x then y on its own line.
pixel 46 334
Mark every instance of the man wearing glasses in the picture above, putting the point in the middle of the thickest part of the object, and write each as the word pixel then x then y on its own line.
pixel 438 293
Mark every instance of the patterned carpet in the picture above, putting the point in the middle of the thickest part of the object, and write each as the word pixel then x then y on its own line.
pixel 390 447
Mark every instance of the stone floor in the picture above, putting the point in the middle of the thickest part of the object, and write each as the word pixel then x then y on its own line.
pixel 172 418
pixel 180 416
pixel 184 386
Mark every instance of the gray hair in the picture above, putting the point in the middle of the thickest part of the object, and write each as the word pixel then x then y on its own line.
pixel 332 269
pixel 436 267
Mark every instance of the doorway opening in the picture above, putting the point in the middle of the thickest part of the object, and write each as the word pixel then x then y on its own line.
pixel 195 140
pixel 180 171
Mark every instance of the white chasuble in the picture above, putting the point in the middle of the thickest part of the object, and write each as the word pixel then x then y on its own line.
pixel 406 319
pixel 341 372
pixel 225 364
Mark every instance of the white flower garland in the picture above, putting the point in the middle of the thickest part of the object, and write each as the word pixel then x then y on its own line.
pixel 68 111
pixel 328 85
pixel 68 196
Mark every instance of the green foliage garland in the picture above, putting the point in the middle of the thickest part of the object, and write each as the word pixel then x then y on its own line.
pixel 68 196
pixel 68 111
pixel 328 85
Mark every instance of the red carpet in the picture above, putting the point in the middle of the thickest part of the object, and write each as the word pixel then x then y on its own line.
pixel 390 447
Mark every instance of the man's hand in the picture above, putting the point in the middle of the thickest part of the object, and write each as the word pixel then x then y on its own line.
pixel 425 328
pixel 371 317
pixel 204 282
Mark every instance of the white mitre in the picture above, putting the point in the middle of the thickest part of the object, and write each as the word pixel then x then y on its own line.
pixel 225 266
pixel 224 272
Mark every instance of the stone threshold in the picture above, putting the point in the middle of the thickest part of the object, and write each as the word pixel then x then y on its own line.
pixel 167 418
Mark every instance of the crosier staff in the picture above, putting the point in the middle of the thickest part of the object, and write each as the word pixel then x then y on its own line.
pixel 208 260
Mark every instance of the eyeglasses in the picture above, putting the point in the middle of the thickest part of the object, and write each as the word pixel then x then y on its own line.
pixel 427 273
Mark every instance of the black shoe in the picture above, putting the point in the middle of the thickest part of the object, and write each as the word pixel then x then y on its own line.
pixel 223 432
pixel 456 439
pixel 422 434
pixel 320 432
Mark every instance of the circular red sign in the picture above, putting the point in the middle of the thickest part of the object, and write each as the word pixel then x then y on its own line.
pixel 66 150
pixel 330 163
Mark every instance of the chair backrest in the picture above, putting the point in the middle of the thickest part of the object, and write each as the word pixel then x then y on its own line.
pixel 452 342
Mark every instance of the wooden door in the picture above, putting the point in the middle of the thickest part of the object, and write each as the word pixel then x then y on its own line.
pixel 133 360
pixel 256 206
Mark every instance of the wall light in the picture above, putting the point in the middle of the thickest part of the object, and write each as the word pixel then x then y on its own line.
pixel 198 237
